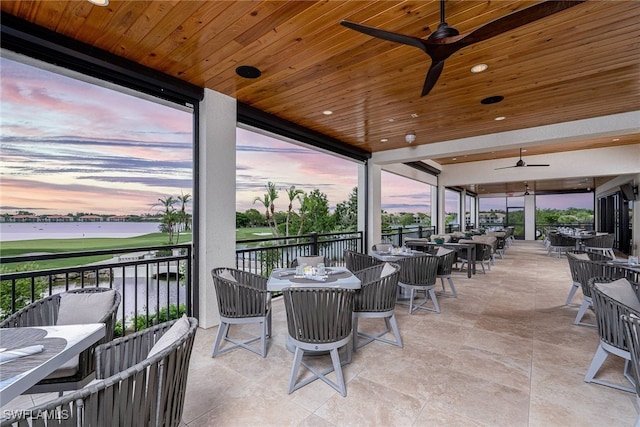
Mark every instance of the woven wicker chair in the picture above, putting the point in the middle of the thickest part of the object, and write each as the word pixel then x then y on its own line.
pixel 377 299
pixel 44 312
pixel 583 270
pixel 318 320
pixel 418 274
pixel 608 310
pixel 445 266
pixel 133 389
pixel 632 334
pixel 602 244
pixel 560 244
pixel 356 261
pixel 245 299
pixel 483 255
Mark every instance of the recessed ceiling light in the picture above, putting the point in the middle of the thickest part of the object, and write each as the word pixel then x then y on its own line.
pixel 248 72
pixel 500 118
pixel 100 2
pixel 616 139
pixel 492 99
pixel 414 116
pixel 454 158
pixel 327 112
pixel 391 119
pixel 524 150
pixel 384 140
pixel 478 68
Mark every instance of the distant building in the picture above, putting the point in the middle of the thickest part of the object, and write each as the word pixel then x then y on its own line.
pixel 118 218
pixel 57 218
pixel 90 218
pixel 23 218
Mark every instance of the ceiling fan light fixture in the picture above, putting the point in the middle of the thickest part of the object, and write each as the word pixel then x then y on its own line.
pixel 478 68
pixel 410 137
pixel 327 112
pixel 99 2
pixel 500 118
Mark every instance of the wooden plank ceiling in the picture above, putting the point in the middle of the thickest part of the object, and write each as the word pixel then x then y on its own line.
pixel 580 63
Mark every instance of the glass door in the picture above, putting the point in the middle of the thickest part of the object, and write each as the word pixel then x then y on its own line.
pixel 515 218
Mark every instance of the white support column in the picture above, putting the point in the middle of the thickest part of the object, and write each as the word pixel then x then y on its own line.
pixel 529 217
pixel 362 201
pixel 441 213
pixel 463 210
pixel 374 226
pixel 217 196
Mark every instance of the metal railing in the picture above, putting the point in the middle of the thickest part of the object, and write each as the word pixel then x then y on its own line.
pixel 261 256
pixel 154 282
pixel 397 235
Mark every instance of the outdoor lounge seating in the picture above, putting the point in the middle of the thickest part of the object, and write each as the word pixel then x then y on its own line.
pixel 76 306
pixel 142 382
pixel 242 298
pixel 377 299
pixel 319 319
pixel 612 298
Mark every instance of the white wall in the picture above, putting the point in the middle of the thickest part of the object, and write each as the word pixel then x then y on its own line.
pixel 217 197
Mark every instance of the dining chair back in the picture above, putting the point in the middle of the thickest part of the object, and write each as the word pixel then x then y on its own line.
pixel 602 244
pixel 356 261
pixel 75 373
pixel 632 333
pixel 445 266
pixel 377 299
pixel 319 320
pixel 311 261
pixel 242 298
pixel 418 274
pixel 612 298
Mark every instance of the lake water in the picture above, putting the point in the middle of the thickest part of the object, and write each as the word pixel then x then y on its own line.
pixel 73 230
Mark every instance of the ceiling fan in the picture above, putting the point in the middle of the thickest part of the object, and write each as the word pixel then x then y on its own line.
pixel 520 164
pixel 446 40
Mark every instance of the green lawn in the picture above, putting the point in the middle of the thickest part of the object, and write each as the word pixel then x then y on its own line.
pixel 22 247
pixel 252 233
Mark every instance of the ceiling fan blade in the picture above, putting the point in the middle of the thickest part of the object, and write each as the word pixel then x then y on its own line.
pixel 515 20
pixel 432 76
pixel 528 165
pixel 507 167
pixel 386 35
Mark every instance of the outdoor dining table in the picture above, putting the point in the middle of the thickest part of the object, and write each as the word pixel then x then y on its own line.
pixel 458 247
pixel 336 277
pixel 395 255
pixel 59 344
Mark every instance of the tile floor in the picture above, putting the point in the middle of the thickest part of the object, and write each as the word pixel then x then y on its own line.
pixel 504 353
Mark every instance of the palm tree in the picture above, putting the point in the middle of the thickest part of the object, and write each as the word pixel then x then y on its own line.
pixel 169 216
pixel 184 217
pixel 293 194
pixel 272 192
pixel 266 202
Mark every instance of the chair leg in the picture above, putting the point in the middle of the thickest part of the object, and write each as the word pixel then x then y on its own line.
pixel 394 327
pixel 598 360
pixel 572 292
pixel 264 328
pixel 354 323
pixel 223 330
pixel 432 295
pixel 337 367
pixel 451 285
pixel 586 303
pixel 297 359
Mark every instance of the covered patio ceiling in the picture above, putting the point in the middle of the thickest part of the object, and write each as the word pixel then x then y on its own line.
pixel 578 64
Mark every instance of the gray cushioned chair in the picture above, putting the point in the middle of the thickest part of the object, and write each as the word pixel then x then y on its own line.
pixel 242 298
pixel 418 274
pixel 602 244
pixel 356 261
pixel 612 298
pixel 77 372
pixel 319 320
pixel 377 299
pixel 632 333
pixel 484 253
pixel 445 266
pixel 133 389
pixel 311 261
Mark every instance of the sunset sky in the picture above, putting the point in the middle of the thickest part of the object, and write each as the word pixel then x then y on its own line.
pixel 69 146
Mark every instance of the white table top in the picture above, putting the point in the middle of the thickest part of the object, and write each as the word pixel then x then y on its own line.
pixel 285 278
pixel 78 338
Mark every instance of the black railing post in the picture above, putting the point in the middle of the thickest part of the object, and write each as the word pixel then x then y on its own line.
pixel 314 244
pixel 400 231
